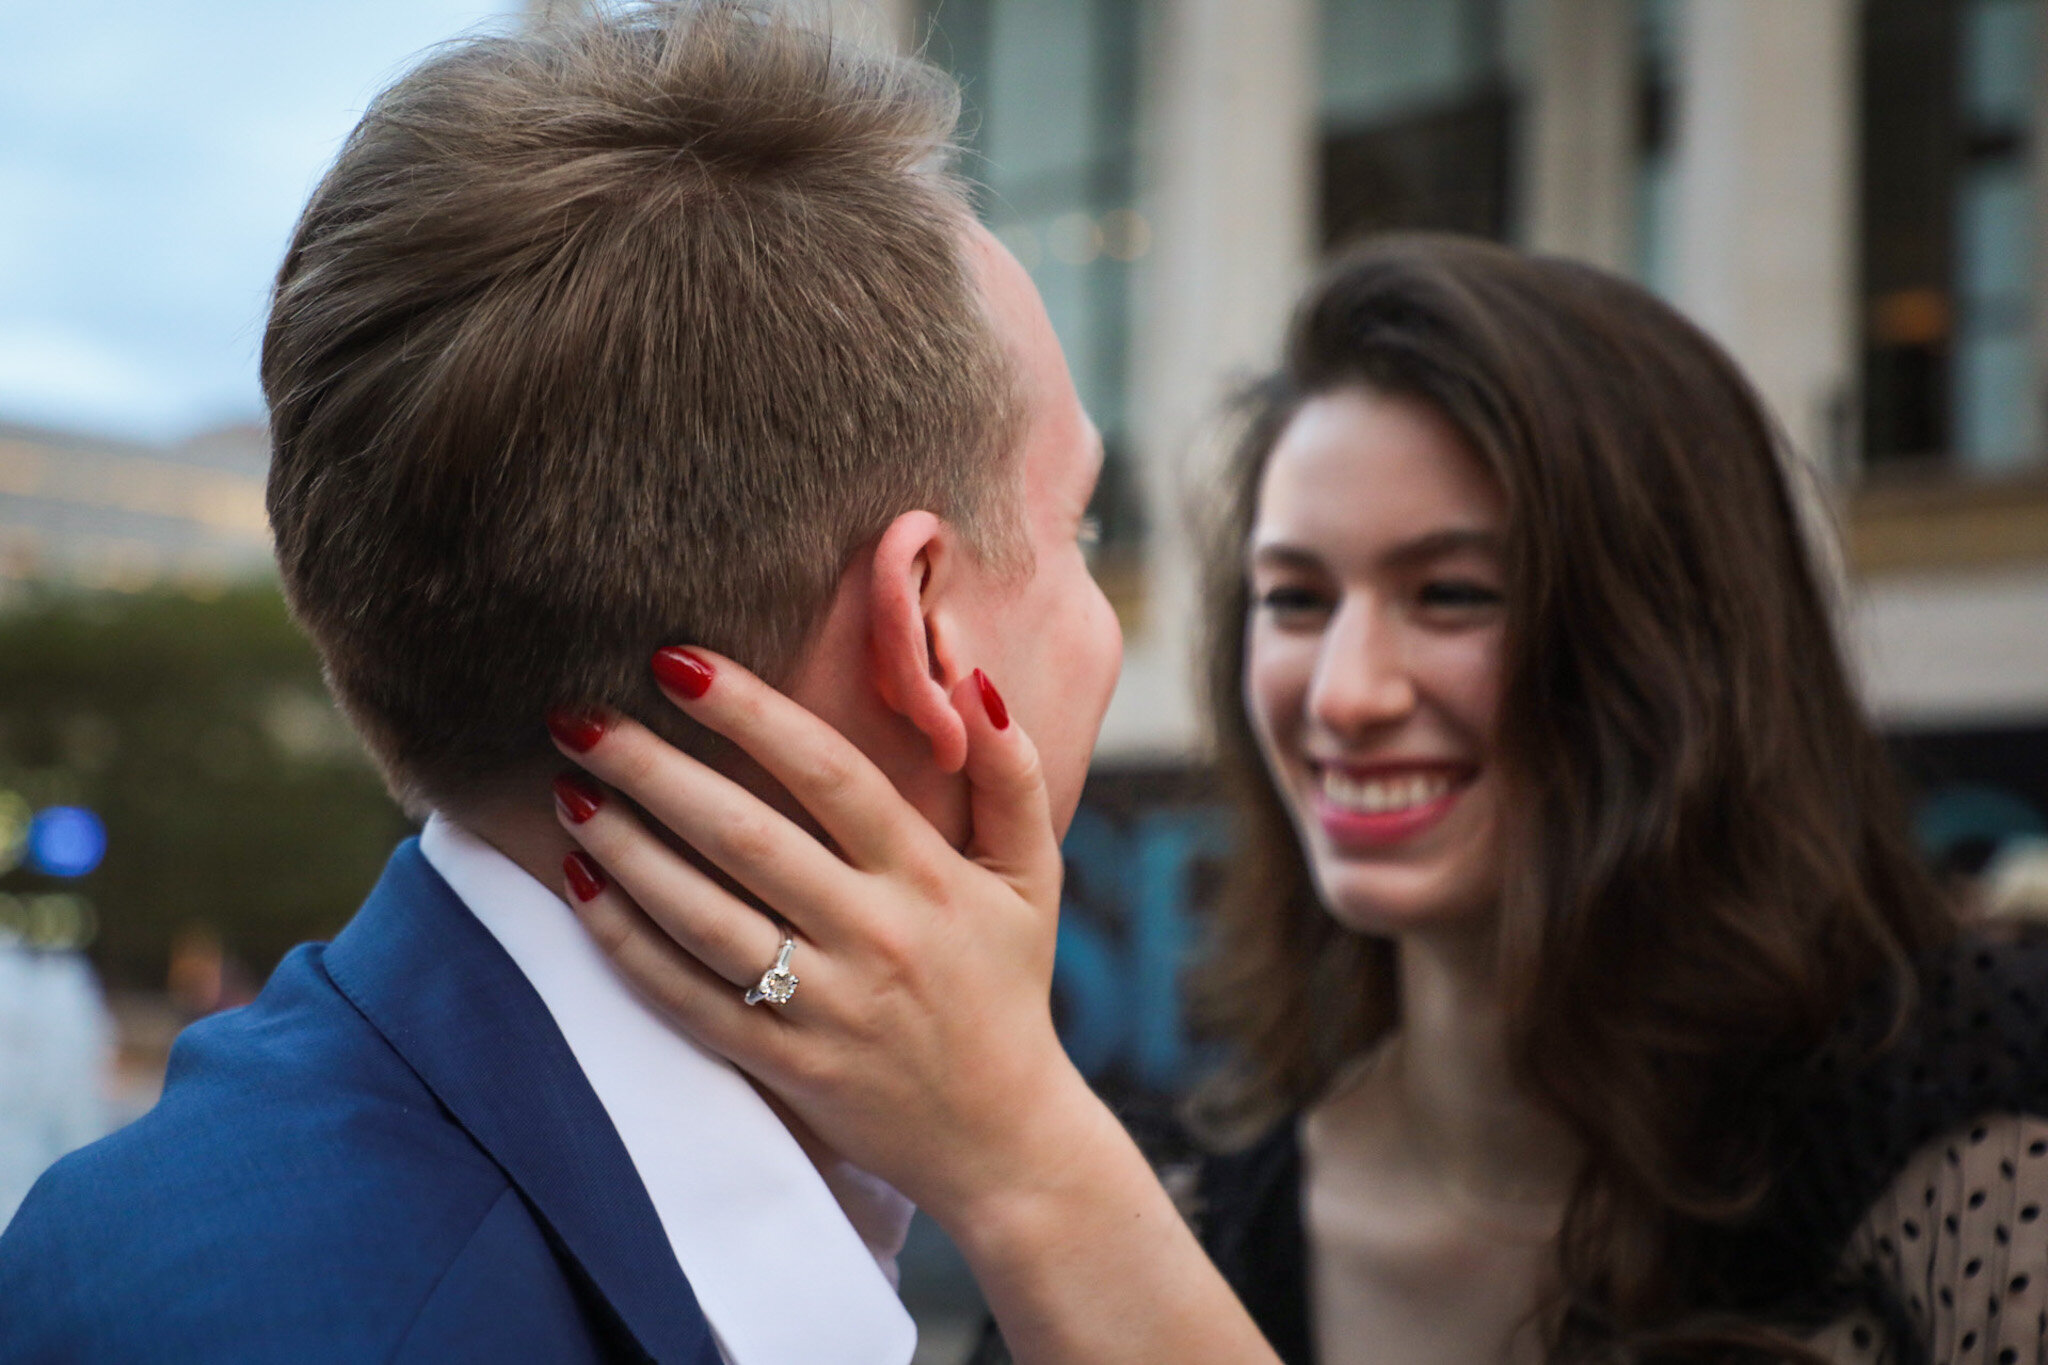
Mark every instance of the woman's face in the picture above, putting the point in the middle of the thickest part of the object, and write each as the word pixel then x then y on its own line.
pixel 1373 660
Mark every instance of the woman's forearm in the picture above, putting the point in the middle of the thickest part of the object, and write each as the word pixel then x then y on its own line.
pixel 1087 1261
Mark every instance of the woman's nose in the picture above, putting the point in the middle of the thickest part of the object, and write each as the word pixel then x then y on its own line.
pixel 1362 678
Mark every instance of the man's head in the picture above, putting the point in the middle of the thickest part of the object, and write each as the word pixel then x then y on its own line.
pixel 918 611
pixel 626 333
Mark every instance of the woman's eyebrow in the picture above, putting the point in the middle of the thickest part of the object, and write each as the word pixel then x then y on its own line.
pixel 1450 540
pixel 1278 554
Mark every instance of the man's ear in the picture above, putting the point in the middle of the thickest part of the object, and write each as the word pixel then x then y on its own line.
pixel 916 562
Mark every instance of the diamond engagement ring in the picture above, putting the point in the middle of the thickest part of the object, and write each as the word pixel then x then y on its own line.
pixel 778 983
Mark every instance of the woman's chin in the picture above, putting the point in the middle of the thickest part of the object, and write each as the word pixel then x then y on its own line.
pixel 1398 903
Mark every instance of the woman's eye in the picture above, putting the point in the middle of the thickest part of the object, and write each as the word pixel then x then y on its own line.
pixel 1291 601
pixel 1457 593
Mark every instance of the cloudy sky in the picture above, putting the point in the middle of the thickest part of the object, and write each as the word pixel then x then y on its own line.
pixel 152 159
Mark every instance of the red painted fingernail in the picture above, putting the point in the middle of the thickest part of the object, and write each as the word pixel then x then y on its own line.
pixel 584 878
pixel 684 672
pixel 578 797
pixel 578 731
pixel 998 714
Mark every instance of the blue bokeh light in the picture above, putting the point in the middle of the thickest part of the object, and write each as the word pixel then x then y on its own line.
pixel 66 841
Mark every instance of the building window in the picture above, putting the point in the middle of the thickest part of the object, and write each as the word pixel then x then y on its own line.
pixel 1416 118
pixel 1656 201
pixel 1050 95
pixel 1947 215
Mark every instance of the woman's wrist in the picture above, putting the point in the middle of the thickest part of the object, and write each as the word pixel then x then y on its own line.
pixel 1069 1163
pixel 1083 1257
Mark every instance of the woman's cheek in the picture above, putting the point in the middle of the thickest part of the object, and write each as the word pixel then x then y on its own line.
pixel 1277 673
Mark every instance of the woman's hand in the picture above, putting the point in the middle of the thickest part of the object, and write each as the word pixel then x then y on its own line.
pixel 919 1042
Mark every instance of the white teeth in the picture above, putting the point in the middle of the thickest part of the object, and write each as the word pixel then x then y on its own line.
pixel 1377 796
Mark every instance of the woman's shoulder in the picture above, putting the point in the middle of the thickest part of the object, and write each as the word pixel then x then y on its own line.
pixel 1972 1042
pixel 1956 1249
pixel 1892 1091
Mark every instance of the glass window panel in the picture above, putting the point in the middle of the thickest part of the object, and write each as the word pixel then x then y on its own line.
pixel 1039 128
pixel 1049 88
pixel 1416 117
pixel 1997 413
pixel 1656 263
pixel 1948 221
pixel 1994 232
pixel 1380 56
pixel 1994 384
pixel 1998 62
pixel 1657 52
pixel 1994 406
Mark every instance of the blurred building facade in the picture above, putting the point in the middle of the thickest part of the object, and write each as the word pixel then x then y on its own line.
pixel 1846 193
pixel 95 513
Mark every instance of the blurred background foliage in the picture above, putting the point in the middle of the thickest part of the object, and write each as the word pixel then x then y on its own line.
pixel 239 808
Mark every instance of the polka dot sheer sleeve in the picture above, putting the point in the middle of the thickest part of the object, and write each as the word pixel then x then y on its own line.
pixel 1961 1241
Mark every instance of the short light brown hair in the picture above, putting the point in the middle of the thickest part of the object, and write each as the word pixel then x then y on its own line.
pixel 612 334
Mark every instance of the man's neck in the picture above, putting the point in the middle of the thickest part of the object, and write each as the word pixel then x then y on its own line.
pixel 526 832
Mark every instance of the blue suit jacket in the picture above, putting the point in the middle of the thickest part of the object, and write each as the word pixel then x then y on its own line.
pixel 391 1155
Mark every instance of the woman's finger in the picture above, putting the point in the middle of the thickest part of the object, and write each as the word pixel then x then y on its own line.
pixel 1013 834
pixel 732 938
pixel 851 799
pixel 739 833
pixel 708 1007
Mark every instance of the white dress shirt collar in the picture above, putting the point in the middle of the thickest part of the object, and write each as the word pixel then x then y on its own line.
pixel 775 1264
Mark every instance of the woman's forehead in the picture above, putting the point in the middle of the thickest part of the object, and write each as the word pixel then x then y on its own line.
pixel 1357 464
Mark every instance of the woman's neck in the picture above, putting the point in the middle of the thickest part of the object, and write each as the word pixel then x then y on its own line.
pixel 1448 1071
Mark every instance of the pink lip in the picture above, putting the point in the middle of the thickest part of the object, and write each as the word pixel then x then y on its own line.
pixel 1359 830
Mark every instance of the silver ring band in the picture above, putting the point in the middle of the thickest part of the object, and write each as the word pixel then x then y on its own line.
pixel 778 983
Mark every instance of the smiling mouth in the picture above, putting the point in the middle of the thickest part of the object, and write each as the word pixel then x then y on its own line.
pixel 1383 795
pixel 1384 809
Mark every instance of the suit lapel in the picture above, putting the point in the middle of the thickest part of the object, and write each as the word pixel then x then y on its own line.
pixel 435 983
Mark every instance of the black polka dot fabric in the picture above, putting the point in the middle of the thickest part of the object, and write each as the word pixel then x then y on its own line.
pixel 1960 1241
pixel 1909 1214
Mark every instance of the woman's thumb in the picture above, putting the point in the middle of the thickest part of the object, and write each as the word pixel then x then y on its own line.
pixel 1013 833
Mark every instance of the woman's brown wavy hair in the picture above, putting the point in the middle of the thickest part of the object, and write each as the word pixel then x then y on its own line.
pixel 1704 859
